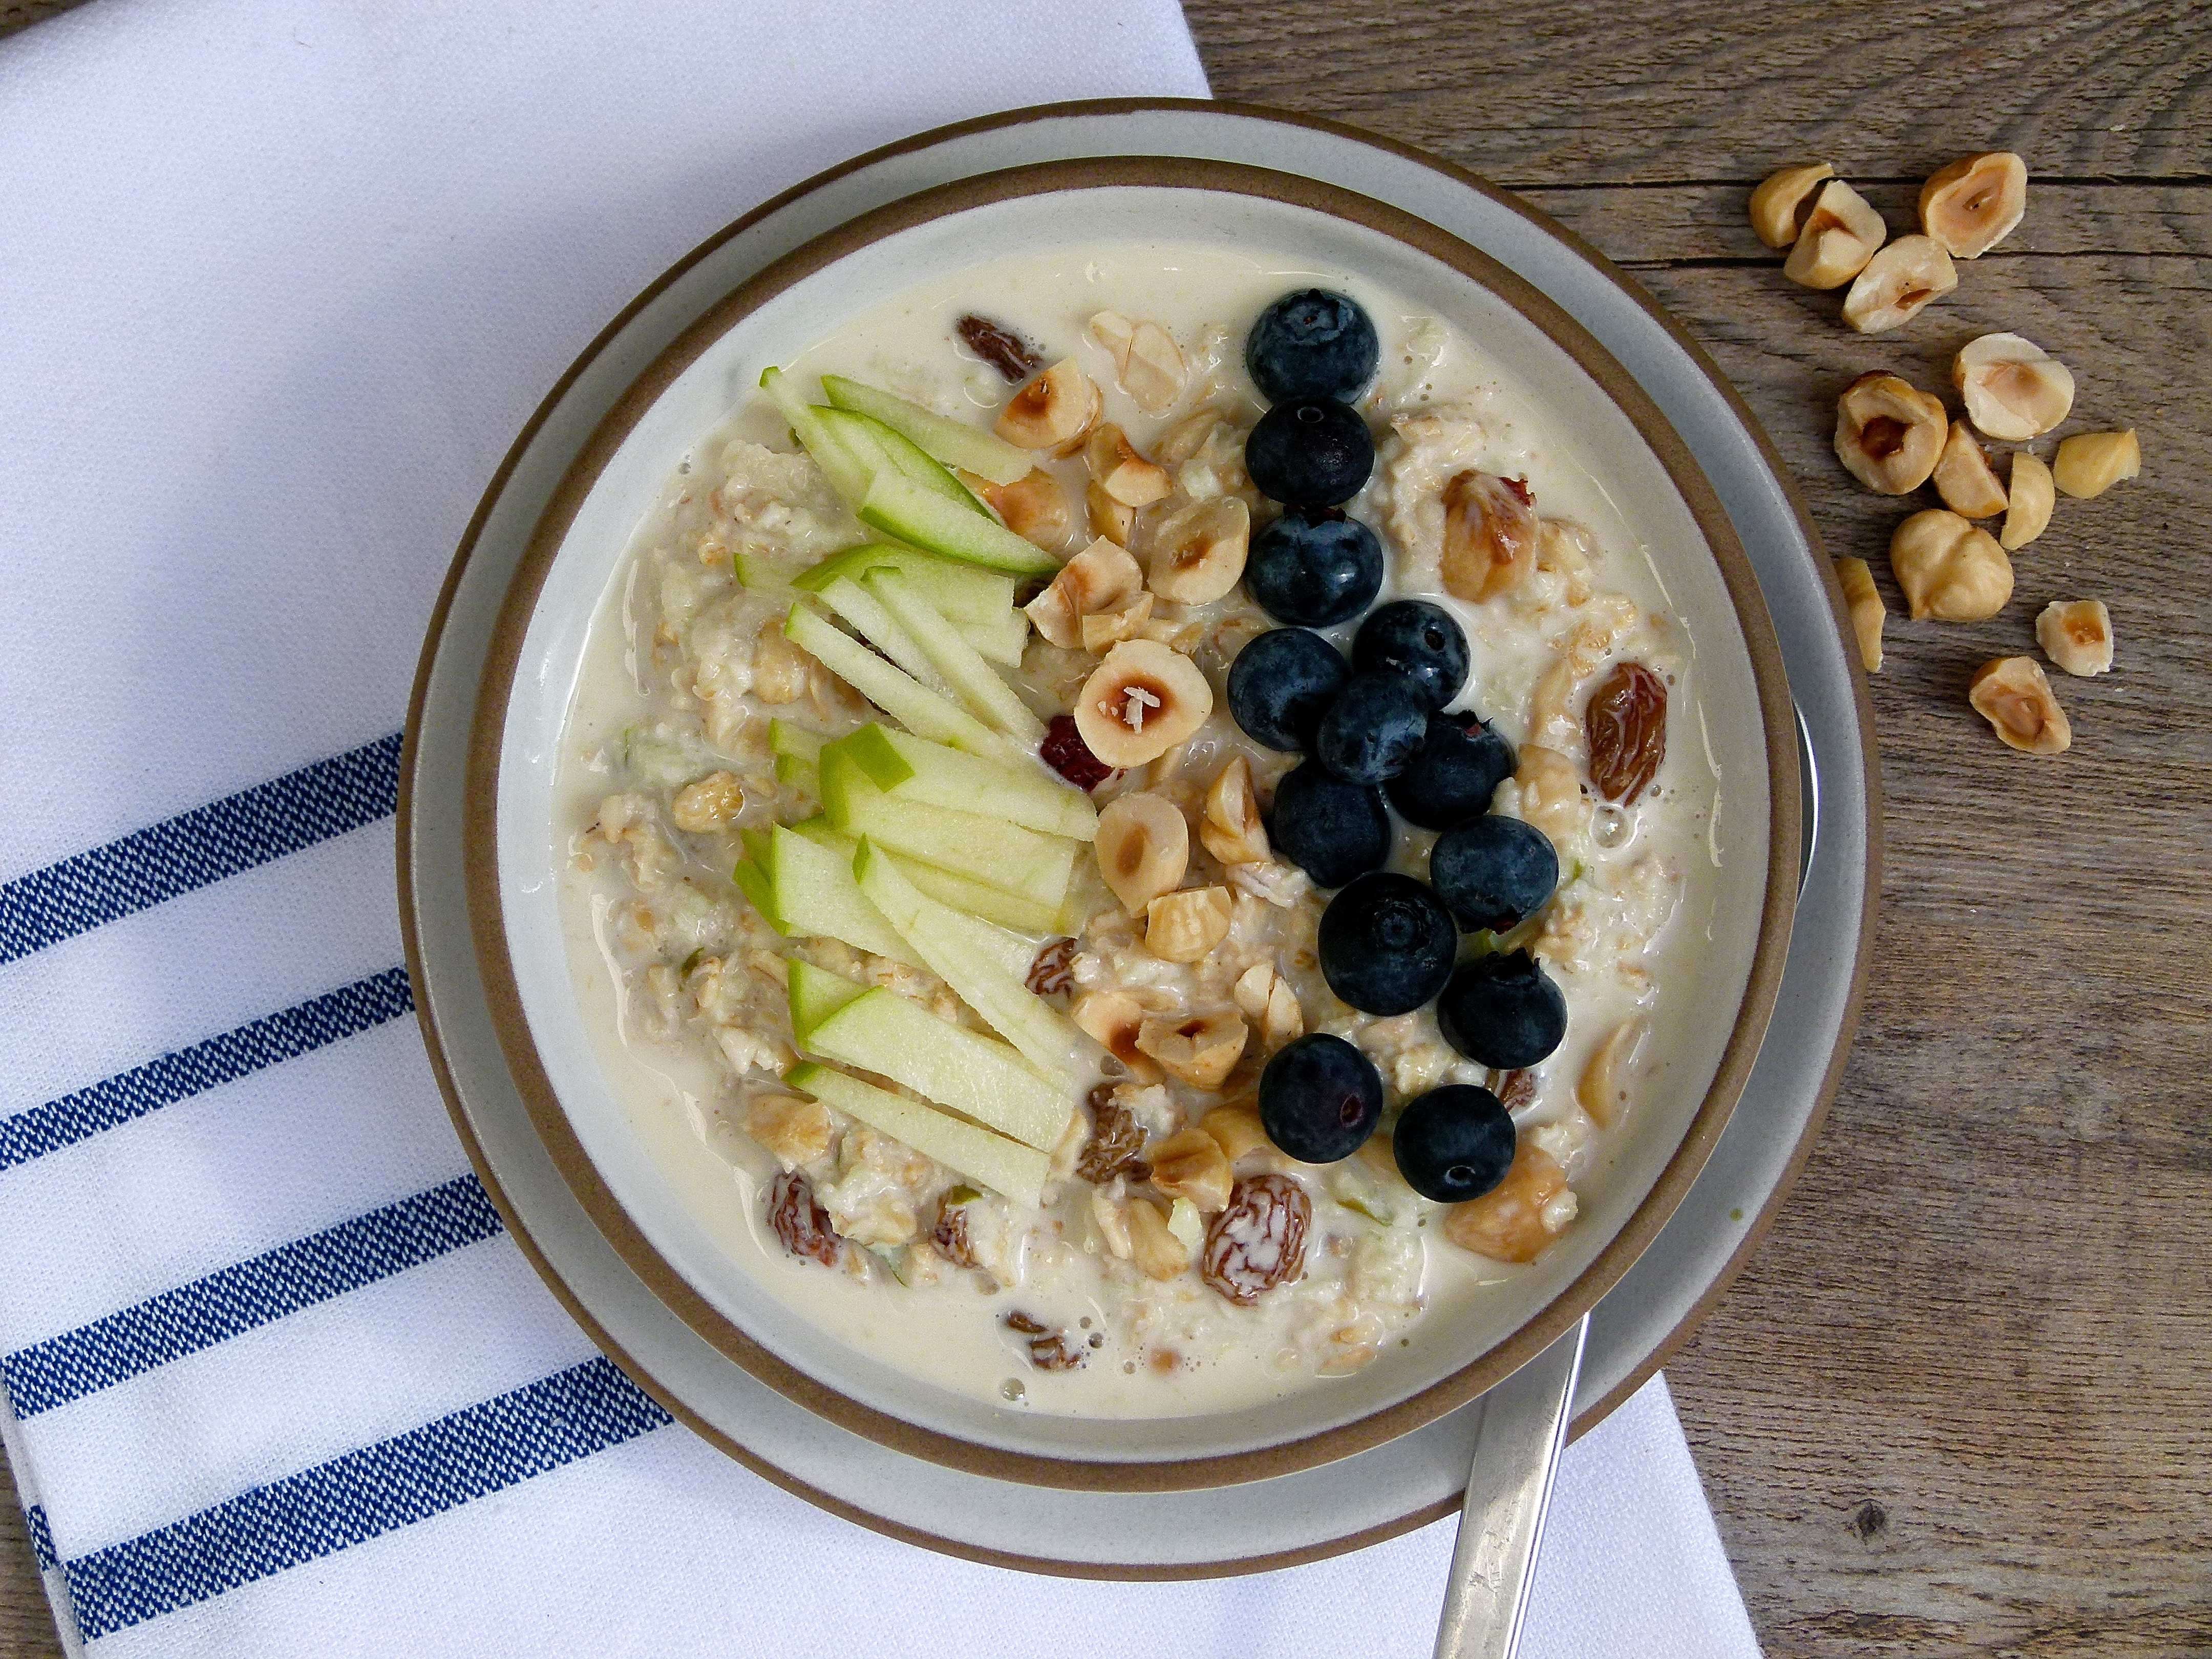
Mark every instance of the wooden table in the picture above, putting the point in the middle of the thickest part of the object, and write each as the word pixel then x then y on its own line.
pixel 1961 1403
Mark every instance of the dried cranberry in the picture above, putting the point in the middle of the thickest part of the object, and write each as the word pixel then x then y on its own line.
pixel 1066 752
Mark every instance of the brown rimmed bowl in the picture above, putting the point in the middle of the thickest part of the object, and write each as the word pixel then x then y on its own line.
pixel 573 556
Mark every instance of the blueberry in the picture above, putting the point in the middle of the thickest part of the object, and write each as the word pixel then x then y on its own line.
pixel 1387 944
pixel 1502 1011
pixel 1319 1099
pixel 1461 765
pixel 1312 344
pixel 1311 454
pixel 1282 683
pixel 1494 871
pixel 1454 1143
pixel 1314 568
pixel 1417 639
pixel 1373 729
pixel 1331 830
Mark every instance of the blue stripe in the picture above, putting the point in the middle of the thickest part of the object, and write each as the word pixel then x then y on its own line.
pixel 202 846
pixel 42 1538
pixel 425 1472
pixel 316 1023
pixel 237 1299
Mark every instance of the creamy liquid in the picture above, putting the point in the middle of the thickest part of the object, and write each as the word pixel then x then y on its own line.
pixel 950 1333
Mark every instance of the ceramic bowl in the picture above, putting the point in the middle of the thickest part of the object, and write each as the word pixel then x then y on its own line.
pixel 672 1236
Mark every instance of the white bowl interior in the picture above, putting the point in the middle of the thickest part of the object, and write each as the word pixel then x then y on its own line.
pixel 684 1222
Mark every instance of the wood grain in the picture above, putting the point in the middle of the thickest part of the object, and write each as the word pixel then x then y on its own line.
pixel 1959 1405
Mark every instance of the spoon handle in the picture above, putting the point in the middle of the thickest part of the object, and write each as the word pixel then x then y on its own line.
pixel 1517 1442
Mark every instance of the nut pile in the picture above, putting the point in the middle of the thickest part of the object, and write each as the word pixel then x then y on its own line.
pixel 1895 438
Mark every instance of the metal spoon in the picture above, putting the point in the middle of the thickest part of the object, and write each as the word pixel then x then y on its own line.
pixel 1517 1442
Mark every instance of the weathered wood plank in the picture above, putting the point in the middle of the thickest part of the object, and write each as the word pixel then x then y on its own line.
pixel 26 1623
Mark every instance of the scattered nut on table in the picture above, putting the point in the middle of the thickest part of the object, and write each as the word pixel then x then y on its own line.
pixel 1867 610
pixel 1898 283
pixel 2091 463
pixel 1784 201
pixel 1840 235
pixel 1889 434
pixel 2029 499
pixel 2014 697
pixel 2014 388
pixel 1948 568
pixel 1972 205
pixel 1964 478
pixel 2077 636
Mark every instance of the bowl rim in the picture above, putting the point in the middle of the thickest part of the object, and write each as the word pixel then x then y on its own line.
pixel 495 688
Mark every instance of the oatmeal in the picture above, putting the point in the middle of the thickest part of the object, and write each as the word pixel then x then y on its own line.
pixel 945 874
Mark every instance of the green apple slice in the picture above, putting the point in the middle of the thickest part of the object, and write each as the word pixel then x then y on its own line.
pixel 894 691
pixel 900 764
pixel 944 439
pixel 796 775
pixel 990 907
pixel 847 475
pixel 759 572
pixel 1035 866
pixel 965 593
pixel 785 738
pixel 977 683
pixel 1005 1166
pixel 753 885
pixel 879 446
pixel 900 508
pixel 1046 1038
pixel 815 993
pixel 976 1076
pixel 1002 642
pixel 882 630
pixel 813 891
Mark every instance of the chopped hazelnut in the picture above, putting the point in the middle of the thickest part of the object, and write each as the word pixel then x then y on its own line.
pixel 1036 508
pixel 1114 1018
pixel 1200 1050
pixel 2077 636
pixel 2091 463
pixel 1191 1163
pixel 1185 927
pixel 1231 829
pixel 1889 434
pixel 1867 610
pixel 2014 388
pixel 1101 578
pixel 1840 235
pixel 1964 478
pixel 1784 200
pixel 2028 515
pixel 1053 410
pixel 2014 697
pixel 1157 1253
pixel 1972 205
pixel 1897 283
pixel 1117 469
pixel 1143 848
pixel 1947 568
pixel 1198 551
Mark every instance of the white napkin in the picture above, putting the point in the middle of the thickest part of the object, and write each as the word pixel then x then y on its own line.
pixel 280 280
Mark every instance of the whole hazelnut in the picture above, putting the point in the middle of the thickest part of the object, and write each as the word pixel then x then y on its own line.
pixel 1947 568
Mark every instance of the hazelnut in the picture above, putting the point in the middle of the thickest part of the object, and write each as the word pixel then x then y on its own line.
pixel 1198 551
pixel 2077 636
pixel 1035 508
pixel 1147 359
pixel 1972 205
pixel 1964 478
pixel 1897 282
pixel 1199 1049
pixel 1102 577
pixel 2091 463
pixel 1840 235
pixel 1266 999
pixel 2014 697
pixel 1506 1224
pixel 1143 848
pixel 1117 469
pixel 1236 1128
pixel 1140 702
pixel 797 1130
pixel 1867 610
pixel 1153 1246
pixel 1602 1089
pixel 710 804
pixel 1949 569
pixel 2028 513
pixel 1191 1163
pixel 1889 433
pixel 2013 389
pixel 1109 629
pixel 1231 829
pixel 1053 409
pixel 1490 535
pixel 1114 1018
pixel 1184 926
pixel 1111 520
pixel 1784 200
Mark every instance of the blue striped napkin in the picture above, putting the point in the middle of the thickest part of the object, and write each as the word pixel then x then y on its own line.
pixel 284 277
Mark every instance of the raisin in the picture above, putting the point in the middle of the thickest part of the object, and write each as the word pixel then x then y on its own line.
pixel 1000 347
pixel 1052 972
pixel 799 1222
pixel 1116 1138
pixel 1064 751
pixel 1626 721
pixel 1050 1350
pixel 1514 1090
pixel 1018 1320
pixel 952 1238
pixel 1259 1241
